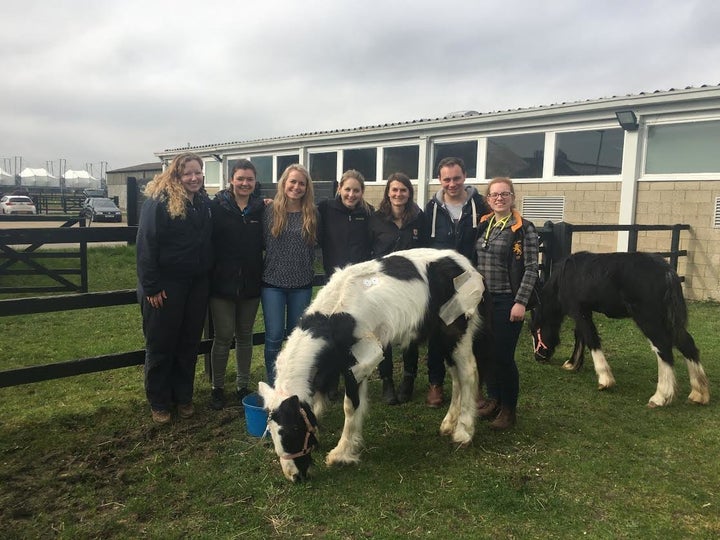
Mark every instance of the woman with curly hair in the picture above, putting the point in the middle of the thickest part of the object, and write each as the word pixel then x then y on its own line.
pixel 290 226
pixel 174 256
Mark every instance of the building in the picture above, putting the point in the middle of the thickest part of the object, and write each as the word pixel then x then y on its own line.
pixel 650 158
pixel 117 179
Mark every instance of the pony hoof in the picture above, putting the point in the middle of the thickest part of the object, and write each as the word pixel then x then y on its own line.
pixel 602 387
pixel 696 398
pixel 462 439
pixel 336 458
pixel 569 366
pixel 653 405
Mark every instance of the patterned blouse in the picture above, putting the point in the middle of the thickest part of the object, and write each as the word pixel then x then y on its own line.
pixel 289 260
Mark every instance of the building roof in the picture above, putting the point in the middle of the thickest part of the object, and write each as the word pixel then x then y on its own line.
pixel 152 166
pixel 625 100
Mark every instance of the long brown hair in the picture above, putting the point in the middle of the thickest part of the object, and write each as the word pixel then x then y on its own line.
pixel 280 204
pixel 385 208
pixel 167 184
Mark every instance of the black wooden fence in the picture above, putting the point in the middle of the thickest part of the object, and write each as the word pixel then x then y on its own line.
pixel 556 242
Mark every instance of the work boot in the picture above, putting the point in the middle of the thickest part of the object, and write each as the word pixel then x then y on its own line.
pixel 505 420
pixel 217 399
pixel 240 394
pixel 435 396
pixel 160 417
pixel 185 410
pixel 406 389
pixel 489 410
pixel 388 391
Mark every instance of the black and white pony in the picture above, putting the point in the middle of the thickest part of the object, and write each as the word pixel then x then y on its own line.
pixel 399 298
pixel 640 286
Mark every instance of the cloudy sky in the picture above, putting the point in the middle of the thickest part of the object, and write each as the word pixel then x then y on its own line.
pixel 91 81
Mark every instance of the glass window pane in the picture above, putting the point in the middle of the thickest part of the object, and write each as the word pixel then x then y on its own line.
pixel 587 153
pixel 404 159
pixel 323 166
pixel 466 150
pixel 212 173
pixel 284 161
pixel 263 165
pixel 363 160
pixel 516 156
pixel 684 148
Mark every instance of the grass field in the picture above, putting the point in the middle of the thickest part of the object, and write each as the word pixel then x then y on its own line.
pixel 80 458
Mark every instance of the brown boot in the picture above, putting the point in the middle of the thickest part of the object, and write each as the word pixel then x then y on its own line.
pixel 505 420
pixel 435 396
pixel 489 410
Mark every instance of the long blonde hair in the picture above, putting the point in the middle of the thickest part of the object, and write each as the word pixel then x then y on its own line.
pixel 167 184
pixel 280 204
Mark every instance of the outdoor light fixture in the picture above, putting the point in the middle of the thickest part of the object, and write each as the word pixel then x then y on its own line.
pixel 627 120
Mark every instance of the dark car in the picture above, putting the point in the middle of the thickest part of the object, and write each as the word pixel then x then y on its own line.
pixel 101 209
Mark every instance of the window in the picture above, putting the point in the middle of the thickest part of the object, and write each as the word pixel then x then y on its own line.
pixel 284 161
pixel 263 166
pixel 467 150
pixel 588 153
pixel 323 166
pixel 683 148
pixel 213 173
pixel 404 159
pixel 516 156
pixel 363 160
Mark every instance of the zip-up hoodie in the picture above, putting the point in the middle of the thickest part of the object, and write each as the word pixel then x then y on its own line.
pixel 460 235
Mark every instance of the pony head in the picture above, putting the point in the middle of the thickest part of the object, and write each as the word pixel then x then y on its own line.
pixel 293 428
pixel 545 335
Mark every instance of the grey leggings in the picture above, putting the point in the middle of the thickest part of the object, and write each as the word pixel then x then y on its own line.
pixel 232 318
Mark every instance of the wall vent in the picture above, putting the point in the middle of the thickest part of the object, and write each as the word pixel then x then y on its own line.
pixel 716 214
pixel 542 209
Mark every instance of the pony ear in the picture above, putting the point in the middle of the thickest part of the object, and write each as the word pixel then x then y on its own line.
pixel 266 392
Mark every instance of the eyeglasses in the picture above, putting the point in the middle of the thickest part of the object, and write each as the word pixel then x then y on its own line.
pixel 502 194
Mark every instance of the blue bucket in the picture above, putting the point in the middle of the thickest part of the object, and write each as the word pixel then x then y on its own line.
pixel 255 416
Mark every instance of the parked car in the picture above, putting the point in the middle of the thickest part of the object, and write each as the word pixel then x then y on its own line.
pixel 101 209
pixel 17 204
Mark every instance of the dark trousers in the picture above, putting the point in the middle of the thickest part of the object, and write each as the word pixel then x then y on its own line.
pixel 410 362
pixel 172 335
pixel 502 378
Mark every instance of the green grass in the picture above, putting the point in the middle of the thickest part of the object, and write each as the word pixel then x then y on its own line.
pixel 79 457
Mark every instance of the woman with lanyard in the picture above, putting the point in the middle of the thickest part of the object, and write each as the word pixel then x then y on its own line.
pixel 506 254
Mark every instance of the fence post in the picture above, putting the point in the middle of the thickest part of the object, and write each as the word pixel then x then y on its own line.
pixel 675 246
pixel 83 262
pixel 562 241
pixel 632 240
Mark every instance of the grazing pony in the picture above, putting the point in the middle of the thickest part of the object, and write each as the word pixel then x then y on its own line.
pixel 398 298
pixel 641 286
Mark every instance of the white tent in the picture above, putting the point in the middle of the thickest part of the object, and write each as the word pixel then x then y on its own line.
pixel 6 179
pixel 38 178
pixel 80 180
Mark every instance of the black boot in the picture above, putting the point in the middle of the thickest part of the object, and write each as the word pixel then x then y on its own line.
pixel 217 399
pixel 405 391
pixel 388 392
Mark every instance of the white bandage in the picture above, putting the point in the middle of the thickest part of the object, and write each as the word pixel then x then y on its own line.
pixel 469 289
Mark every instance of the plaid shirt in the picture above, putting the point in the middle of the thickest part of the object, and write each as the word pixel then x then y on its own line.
pixel 493 257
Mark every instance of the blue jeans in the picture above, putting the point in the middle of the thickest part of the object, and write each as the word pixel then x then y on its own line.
pixel 281 310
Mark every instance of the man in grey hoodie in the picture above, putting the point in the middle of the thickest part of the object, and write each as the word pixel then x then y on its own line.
pixel 453 214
